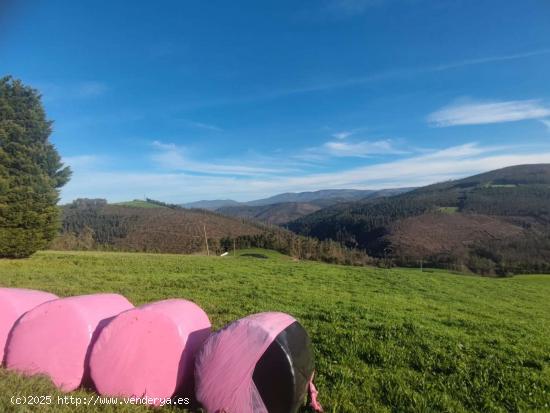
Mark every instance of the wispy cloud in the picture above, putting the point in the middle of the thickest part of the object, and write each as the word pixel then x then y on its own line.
pixel 177 158
pixel 341 148
pixel 413 71
pixel 489 59
pixel 546 122
pixel 476 113
pixel 83 162
pixel 206 126
pixel 404 73
pixel 361 149
pixel 90 89
pixel 342 135
pixel 70 91
pixel 181 186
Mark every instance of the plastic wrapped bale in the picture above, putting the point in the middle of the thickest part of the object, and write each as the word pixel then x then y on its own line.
pixel 54 338
pixel 150 351
pixel 259 364
pixel 14 302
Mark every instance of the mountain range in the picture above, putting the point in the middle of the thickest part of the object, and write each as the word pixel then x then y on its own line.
pixel 495 222
pixel 323 197
pixel 283 208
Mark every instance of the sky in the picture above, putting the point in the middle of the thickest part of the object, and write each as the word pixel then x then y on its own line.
pixel 186 100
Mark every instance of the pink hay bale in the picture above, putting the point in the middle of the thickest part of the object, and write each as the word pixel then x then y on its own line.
pixel 54 338
pixel 226 362
pixel 150 351
pixel 14 302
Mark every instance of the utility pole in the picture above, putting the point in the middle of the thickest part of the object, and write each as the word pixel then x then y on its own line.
pixel 206 240
pixel 234 249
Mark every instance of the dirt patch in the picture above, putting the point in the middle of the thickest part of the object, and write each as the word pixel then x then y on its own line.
pixel 437 233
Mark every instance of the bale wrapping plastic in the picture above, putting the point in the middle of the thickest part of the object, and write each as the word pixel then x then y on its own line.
pixel 14 302
pixel 54 338
pixel 254 366
pixel 149 351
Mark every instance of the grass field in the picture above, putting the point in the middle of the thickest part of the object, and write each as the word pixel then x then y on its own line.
pixel 137 203
pixel 385 340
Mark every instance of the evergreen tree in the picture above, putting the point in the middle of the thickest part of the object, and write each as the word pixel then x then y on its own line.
pixel 31 172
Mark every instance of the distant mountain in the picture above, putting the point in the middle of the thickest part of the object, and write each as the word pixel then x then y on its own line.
pixel 211 205
pixel 388 192
pixel 324 194
pixel 335 195
pixel 283 212
pixel 276 214
pixel 495 222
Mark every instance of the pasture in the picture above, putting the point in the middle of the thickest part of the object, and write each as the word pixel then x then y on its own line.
pixel 385 340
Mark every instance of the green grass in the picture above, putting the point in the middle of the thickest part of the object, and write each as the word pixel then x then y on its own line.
pixel 137 203
pixel 385 340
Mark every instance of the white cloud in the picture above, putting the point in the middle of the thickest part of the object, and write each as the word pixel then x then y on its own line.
pixel 177 158
pixel 330 84
pixel 347 149
pixel 83 162
pixel 53 92
pixel 489 59
pixel 476 113
pixel 361 149
pixel 206 126
pixel 342 135
pixel 436 166
pixel 90 89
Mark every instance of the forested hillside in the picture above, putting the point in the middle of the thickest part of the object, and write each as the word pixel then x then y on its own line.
pixel 152 226
pixel 496 222
pixel 276 214
pixel 283 208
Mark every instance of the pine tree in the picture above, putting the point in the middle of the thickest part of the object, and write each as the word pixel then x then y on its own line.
pixel 31 172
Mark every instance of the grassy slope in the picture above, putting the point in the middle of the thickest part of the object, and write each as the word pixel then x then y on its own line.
pixel 385 340
pixel 137 203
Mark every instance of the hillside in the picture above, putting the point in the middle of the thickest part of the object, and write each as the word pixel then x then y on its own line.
pixel 145 226
pixel 211 205
pixel 394 340
pixel 321 198
pixel 335 195
pixel 275 214
pixel 280 213
pixel 153 226
pixel 495 222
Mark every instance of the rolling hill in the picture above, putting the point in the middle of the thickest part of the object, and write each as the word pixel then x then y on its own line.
pixel 211 205
pixel 335 195
pixel 322 198
pixel 276 214
pixel 153 226
pixel 145 226
pixel 495 222
pixel 304 203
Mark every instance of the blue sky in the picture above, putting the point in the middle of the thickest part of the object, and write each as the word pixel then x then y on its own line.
pixel 187 100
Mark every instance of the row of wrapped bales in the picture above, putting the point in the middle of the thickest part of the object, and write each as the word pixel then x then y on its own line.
pixel 259 364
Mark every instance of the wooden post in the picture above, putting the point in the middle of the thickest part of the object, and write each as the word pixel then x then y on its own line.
pixel 206 240
pixel 234 249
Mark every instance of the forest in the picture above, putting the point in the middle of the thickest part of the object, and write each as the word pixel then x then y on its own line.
pixel 513 203
pixel 93 224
